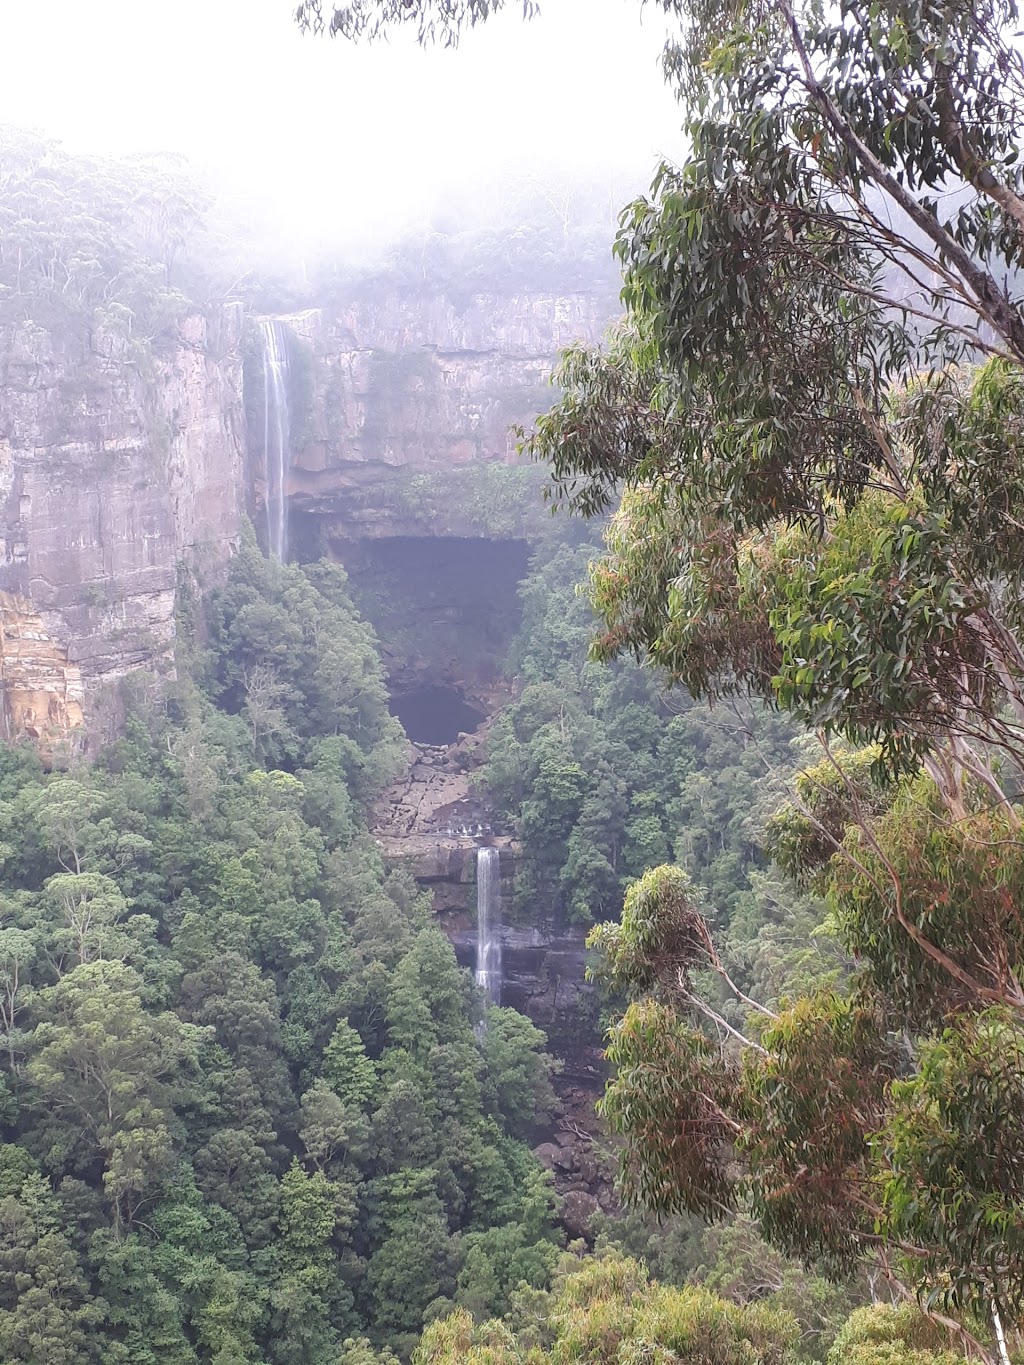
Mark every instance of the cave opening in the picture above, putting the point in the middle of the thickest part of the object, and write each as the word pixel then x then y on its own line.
pixel 445 608
pixel 434 714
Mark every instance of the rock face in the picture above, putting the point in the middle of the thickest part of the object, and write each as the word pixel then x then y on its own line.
pixel 43 696
pixel 398 386
pixel 117 470
pixel 543 976
pixel 121 467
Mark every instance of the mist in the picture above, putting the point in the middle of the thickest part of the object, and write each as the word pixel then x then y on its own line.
pixel 313 144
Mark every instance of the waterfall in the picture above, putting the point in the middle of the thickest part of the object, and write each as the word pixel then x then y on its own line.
pixel 276 433
pixel 488 923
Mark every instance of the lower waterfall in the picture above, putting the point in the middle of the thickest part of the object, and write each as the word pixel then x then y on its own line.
pixel 488 923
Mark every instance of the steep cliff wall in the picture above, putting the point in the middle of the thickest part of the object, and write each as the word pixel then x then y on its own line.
pixel 116 467
pixel 119 466
pixel 398 396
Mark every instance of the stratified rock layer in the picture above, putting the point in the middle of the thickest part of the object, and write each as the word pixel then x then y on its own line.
pixel 118 469
pixel 420 385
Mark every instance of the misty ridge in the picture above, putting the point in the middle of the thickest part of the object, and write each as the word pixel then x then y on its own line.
pixel 147 235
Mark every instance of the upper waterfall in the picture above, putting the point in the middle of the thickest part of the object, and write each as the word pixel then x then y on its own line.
pixel 276 433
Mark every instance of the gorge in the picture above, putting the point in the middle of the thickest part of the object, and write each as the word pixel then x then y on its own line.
pixel 511 684
pixel 377 429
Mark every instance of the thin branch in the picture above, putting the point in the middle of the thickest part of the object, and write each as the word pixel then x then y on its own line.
pixel 996 307
pixel 691 998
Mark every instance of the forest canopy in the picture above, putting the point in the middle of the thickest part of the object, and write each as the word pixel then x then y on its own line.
pixel 246 1116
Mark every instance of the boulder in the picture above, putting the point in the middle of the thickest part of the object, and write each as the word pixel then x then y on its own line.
pixel 578 1210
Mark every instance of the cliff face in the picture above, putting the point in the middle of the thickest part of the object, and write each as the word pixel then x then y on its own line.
pixel 419 386
pixel 115 470
pixel 119 468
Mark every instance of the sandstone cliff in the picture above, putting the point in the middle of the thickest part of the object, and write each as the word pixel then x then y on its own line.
pixel 116 468
pixel 420 386
pixel 121 468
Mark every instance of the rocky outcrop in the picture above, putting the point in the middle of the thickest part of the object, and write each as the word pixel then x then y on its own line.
pixel 581 1161
pixel 43 696
pixel 430 823
pixel 119 468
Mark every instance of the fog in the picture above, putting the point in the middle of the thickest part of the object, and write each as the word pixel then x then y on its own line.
pixel 313 140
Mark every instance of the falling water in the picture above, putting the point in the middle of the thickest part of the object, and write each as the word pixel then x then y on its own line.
pixel 488 923
pixel 276 433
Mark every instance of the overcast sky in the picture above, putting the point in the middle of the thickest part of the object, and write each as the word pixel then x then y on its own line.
pixel 323 138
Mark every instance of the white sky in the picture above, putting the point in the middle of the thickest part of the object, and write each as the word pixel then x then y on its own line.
pixel 325 139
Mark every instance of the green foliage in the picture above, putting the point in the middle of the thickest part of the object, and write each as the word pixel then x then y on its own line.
pixel 820 502
pixel 870 631
pixel 289 654
pixel 45 1313
pixel 347 1069
pixel 951 1154
pixel 517 1089
pixel 247 1116
pixel 809 1101
pixel 604 779
pixel 742 1267
pixel 804 834
pixel 884 1333
pixel 833 1131
pixel 953 935
pixel 669 1099
pixel 607 1310
pixel 661 933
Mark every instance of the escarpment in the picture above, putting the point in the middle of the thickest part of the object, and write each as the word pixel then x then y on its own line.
pixel 125 470
pixel 119 472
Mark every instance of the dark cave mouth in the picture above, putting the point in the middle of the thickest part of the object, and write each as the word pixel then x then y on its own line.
pixel 435 714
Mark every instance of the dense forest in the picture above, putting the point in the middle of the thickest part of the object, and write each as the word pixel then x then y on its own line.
pixel 245 1110
pixel 807 432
